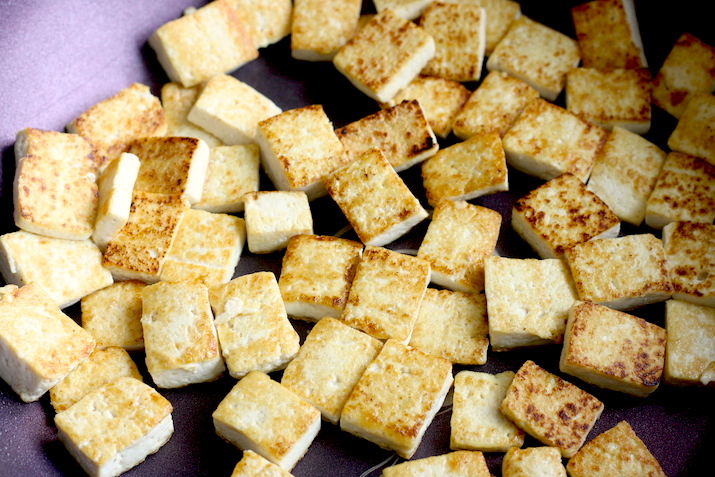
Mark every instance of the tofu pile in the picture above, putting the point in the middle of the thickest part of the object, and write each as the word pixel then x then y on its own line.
pixel 140 212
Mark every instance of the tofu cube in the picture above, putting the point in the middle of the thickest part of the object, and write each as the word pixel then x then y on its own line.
pixel 232 172
pixel 375 199
pixel 316 274
pixel 177 102
pixel 115 427
pixel 299 148
pixel 113 315
pixel 608 35
pixel 466 170
pixel 385 55
pixel 619 97
pixel 477 423
pixel 617 451
pixel 613 350
pixel 561 213
pixel 252 325
pixel 209 41
pixel 231 110
pixel 329 365
pixel 100 367
pixel 267 21
pixel 180 338
pixel 66 269
pixel 537 55
pixel 500 15
pixel 452 325
pixel 528 301
pixel 407 9
pixel 695 132
pixel 273 217
pixel 32 328
pixel 320 28
pixel 397 398
pixel 207 248
pixel 386 294
pixel 460 35
pixel 544 461
pixel 597 269
pixel 253 465
pixel 458 239
pixel 684 192
pixel 261 415
pixel 494 105
pixel 111 124
pixel 550 409
pixel 690 250
pixel 689 68
pixel 55 190
pixel 453 464
pixel 547 140
pixel 690 349
pixel 401 132
pixel 625 173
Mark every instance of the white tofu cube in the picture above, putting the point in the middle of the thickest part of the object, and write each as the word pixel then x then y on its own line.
pixel 113 315
pixel 273 217
pixel 691 342
pixel 177 102
pixel 232 172
pixel 543 461
pixel 320 28
pixel 690 250
pixel 452 464
pixel 695 132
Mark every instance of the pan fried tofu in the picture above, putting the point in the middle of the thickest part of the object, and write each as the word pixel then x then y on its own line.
pixel 690 249
pixel 561 213
pixel 617 451
pixel 452 464
pixel 547 140
pixel 55 190
pixel 689 68
pixel 261 415
pixel 385 55
pixel 459 31
pixel 253 328
pixel 267 21
pixel 477 423
pixel 608 35
pixel 231 109
pixel 207 248
pixel 441 100
pixel 273 217
pixel 619 97
pixel 254 465
pixel 613 350
pixel 550 409
pixel 320 28
pixel 695 132
pixel 458 239
pixel 32 328
pixel 113 315
pixel 374 199
pixel 452 325
pixel 466 170
pixel 131 113
pixel 537 55
pixel 100 367
pixel 115 427
pixel 597 268
pixel 543 461
pixel 500 15
pixel 397 398
pixel 401 132
pixel 316 274
pixel 211 40
pixel 139 249
pixel 66 269
pixel 177 102
pixel 180 338
pixel 684 191
pixel 171 165
pixel 691 342
pixel 625 172
pixel 299 148
pixel 494 105
pixel 381 277
pixel 407 9
pixel 329 364
pixel 232 172
pixel 528 301
pixel 116 185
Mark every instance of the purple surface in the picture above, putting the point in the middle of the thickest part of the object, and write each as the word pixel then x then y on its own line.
pixel 59 58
